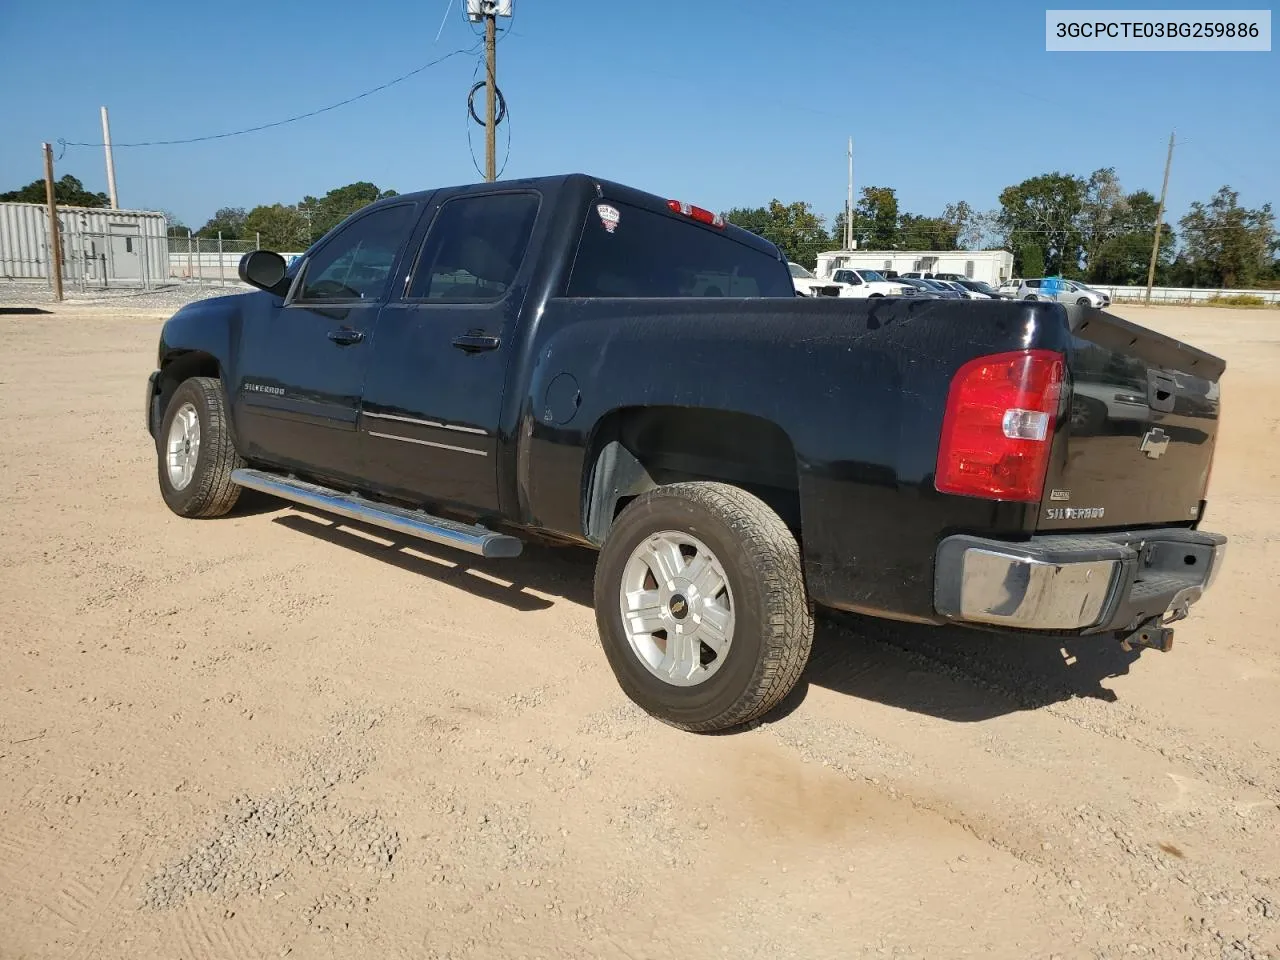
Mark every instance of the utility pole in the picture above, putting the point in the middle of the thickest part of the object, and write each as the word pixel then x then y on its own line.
pixel 55 234
pixel 491 95
pixel 111 164
pixel 1155 244
pixel 489 11
pixel 848 204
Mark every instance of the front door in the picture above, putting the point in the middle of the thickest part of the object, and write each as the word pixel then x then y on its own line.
pixel 303 360
pixel 433 395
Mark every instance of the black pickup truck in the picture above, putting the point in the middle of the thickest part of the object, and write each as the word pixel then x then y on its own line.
pixel 572 360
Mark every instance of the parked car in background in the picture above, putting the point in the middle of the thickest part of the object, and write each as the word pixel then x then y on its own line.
pixel 1100 298
pixel 1009 288
pixel 808 285
pixel 961 289
pixel 949 293
pixel 1063 291
pixel 981 286
pixel 922 289
pixel 866 283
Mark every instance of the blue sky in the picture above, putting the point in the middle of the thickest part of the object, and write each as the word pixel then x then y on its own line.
pixel 718 103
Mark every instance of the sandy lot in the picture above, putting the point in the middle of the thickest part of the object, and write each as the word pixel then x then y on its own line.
pixel 271 735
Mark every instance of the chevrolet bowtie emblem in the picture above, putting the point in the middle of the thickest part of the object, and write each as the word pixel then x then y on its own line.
pixel 1154 443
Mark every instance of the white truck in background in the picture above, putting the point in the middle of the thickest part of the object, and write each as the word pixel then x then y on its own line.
pixel 808 285
pixel 868 283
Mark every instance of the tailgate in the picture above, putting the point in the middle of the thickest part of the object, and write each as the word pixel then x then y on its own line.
pixel 1137 445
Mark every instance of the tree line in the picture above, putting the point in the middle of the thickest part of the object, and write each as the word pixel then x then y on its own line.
pixel 1084 228
pixel 288 227
pixel 1056 224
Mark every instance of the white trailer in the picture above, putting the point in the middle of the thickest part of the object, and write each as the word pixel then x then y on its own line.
pixel 992 266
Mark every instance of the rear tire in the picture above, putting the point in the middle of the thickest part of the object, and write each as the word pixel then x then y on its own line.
pixel 195 453
pixel 1030 296
pixel 652 624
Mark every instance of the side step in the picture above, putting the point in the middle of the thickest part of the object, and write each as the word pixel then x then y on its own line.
pixel 415 523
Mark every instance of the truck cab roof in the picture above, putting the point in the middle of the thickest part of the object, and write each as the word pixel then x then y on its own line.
pixel 582 188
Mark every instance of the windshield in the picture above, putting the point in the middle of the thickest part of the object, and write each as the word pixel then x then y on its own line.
pixel 936 285
pixel 801 272
pixel 981 286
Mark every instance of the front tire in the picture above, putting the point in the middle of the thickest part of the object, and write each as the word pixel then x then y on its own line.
pixel 1084 302
pixel 195 453
pixel 701 606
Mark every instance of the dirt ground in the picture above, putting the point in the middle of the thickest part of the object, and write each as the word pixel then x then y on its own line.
pixel 271 735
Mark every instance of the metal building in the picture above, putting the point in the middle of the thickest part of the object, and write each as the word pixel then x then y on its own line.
pixel 100 247
pixel 993 266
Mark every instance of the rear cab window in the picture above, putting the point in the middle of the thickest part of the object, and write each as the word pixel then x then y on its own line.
pixel 640 253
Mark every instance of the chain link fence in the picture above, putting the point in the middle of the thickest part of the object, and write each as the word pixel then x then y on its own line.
pixel 210 260
pixel 207 260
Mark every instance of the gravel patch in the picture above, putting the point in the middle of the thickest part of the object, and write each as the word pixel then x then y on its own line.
pixel 260 839
pixel 171 296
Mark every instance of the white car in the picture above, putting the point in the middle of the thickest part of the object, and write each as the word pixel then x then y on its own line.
pixel 808 285
pixel 1067 291
pixel 867 283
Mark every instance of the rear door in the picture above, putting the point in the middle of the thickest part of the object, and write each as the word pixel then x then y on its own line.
pixel 433 393
pixel 1138 441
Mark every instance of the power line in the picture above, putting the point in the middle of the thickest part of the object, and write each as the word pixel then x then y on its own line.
pixel 280 123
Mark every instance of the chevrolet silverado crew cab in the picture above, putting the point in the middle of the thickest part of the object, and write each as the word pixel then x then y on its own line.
pixel 571 360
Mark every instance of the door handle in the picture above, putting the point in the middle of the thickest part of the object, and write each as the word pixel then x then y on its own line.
pixel 476 342
pixel 346 336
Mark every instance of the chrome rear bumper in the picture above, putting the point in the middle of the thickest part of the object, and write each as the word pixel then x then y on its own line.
pixel 1075 584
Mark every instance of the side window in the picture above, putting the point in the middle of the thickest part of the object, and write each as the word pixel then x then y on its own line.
pixel 356 263
pixel 1033 284
pixel 474 248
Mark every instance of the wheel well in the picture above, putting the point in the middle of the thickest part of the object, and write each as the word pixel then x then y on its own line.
pixel 636 449
pixel 181 368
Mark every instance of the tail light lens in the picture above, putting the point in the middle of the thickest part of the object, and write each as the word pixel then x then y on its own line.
pixel 998 426
pixel 696 213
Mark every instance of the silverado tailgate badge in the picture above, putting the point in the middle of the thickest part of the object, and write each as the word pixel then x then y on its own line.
pixel 1155 443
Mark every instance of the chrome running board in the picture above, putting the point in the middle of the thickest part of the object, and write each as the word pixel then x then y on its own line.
pixel 415 523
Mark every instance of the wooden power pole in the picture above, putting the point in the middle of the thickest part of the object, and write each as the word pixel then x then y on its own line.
pixel 491 95
pixel 55 233
pixel 1155 244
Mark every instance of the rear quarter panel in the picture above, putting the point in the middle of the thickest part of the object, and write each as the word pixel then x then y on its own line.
pixel 859 387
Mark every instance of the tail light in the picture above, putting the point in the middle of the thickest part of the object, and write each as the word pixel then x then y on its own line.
pixel 696 213
pixel 998 426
